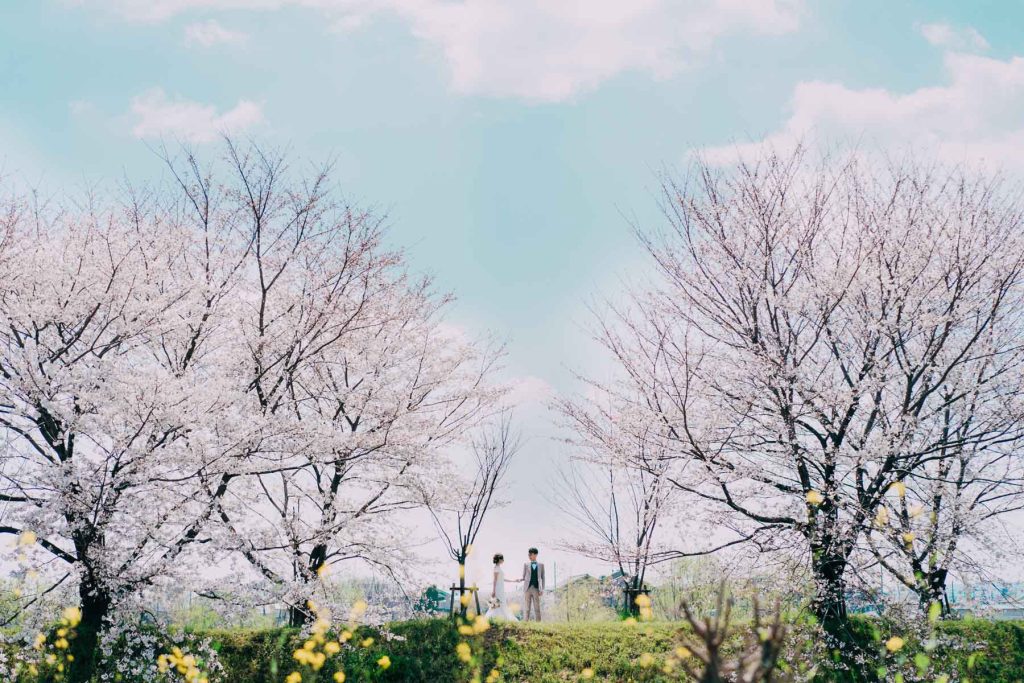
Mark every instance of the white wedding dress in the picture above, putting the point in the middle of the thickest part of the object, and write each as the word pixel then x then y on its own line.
pixel 501 610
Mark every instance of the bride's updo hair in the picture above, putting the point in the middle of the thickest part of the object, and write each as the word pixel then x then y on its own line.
pixel 499 558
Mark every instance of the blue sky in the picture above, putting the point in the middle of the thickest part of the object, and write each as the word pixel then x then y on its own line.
pixel 511 142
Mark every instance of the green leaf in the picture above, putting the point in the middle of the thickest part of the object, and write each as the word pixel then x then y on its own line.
pixel 921 660
pixel 934 611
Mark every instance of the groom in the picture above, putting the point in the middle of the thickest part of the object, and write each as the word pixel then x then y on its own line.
pixel 533 580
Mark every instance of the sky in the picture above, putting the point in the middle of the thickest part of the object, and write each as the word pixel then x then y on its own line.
pixel 513 144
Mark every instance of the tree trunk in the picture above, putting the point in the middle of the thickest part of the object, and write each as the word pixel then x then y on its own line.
pixel 931 589
pixel 95 606
pixel 463 603
pixel 301 615
pixel 829 603
pixel 632 593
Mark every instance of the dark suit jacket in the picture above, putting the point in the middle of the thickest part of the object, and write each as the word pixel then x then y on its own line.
pixel 526 575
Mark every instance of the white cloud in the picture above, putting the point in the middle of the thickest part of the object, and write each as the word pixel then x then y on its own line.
pixel 549 51
pixel 160 10
pixel 541 50
pixel 529 390
pixel 210 33
pixel 155 114
pixel 953 38
pixel 978 115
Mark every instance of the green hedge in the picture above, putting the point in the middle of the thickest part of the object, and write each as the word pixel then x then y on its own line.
pixel 1000 657
pixel 425 650
pixel 546 653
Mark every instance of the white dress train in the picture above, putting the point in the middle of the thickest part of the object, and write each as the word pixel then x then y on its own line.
pixel 501 610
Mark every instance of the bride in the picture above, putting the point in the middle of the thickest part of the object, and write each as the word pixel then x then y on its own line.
pixel 498 606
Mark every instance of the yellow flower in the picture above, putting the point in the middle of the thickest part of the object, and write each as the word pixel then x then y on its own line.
pixel 26 538
pixel 682 652
pixel 587 673
pixel 908 537
pixel 61 643
pixel 358 608
pixel 462 571
pixel 894 644
pixel 367 642
pixel 464 652
pixel 320 627
pixel 72 616
pixel 293 677
pixel 882 517
pixel 339 677
pixel 480 624
pixel 643 601
pixel 345 636
pixel 466 630
pixel 646 659
pixel 815 498
pixel 384 662
pixel 899 488
pixel 323 570
pixel 332 648
pixel 493 676
pixel 40 641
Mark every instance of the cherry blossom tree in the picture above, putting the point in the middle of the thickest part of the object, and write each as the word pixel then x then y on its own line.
pixel 229 363
pixel 114 408
pixel 615 488
pixel 800 337
pixel 459 509
pixel 346 360
pixel 948 517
